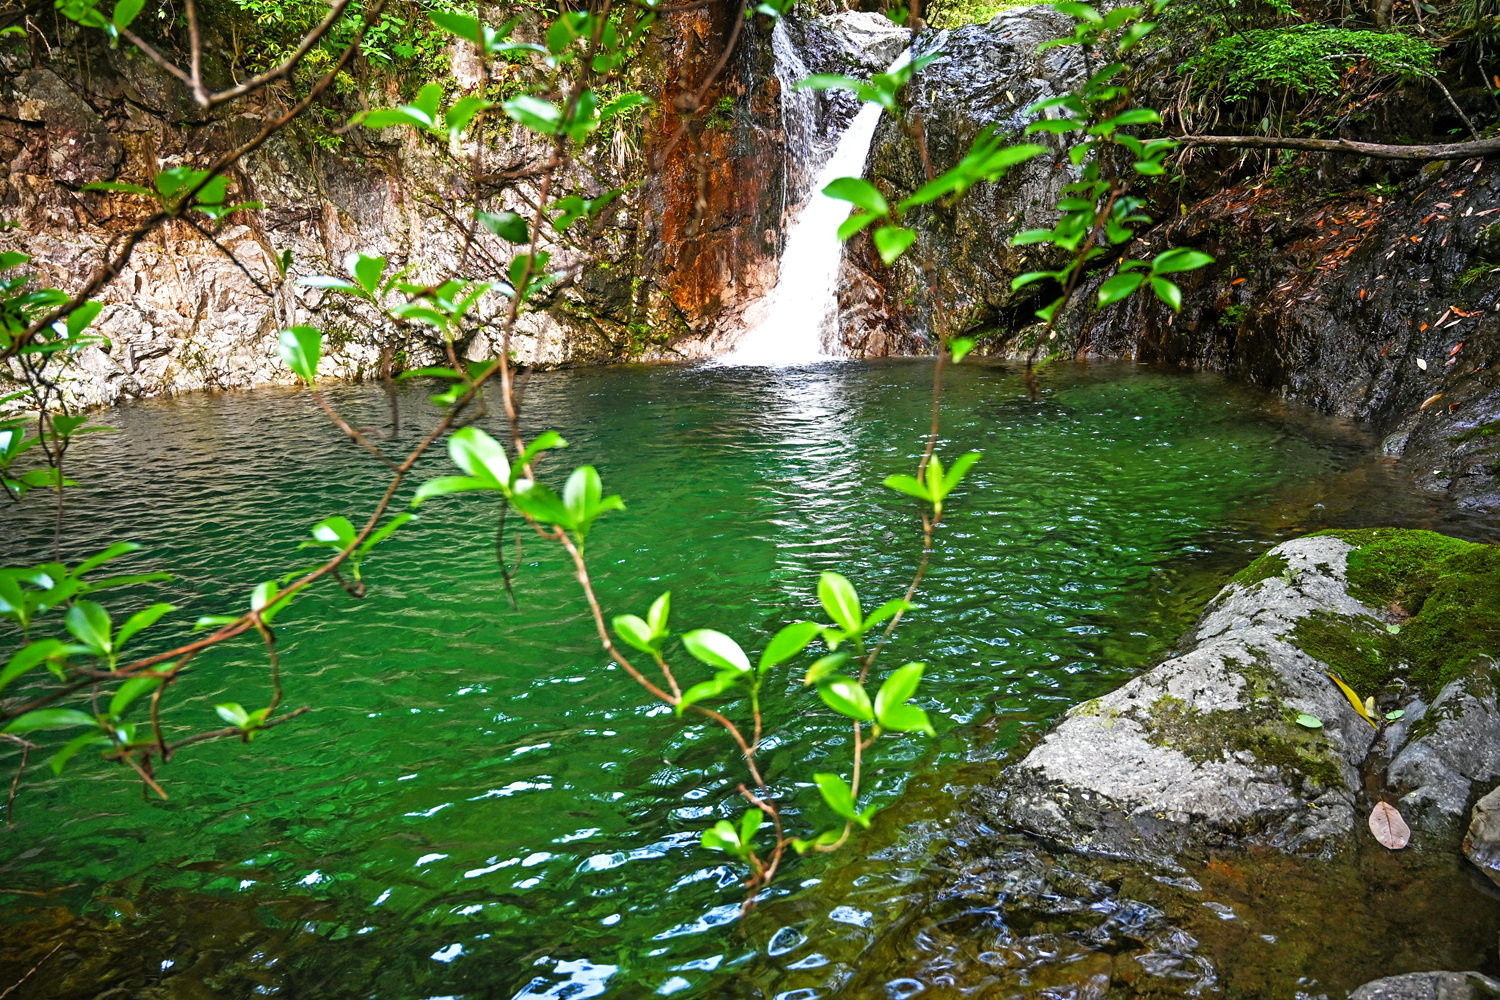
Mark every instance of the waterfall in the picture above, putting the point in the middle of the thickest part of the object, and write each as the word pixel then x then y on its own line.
pixel 801 313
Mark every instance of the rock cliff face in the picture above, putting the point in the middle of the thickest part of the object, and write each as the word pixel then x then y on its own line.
pixel 1371 301
pixel 957 275
pixel 667 273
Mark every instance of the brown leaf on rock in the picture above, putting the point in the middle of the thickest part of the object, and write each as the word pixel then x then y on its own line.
pixel 1388 826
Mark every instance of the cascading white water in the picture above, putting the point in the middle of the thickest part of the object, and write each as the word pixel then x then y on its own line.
pixel 802 309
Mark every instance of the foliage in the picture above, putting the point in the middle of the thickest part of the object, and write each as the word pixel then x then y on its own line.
pixel 88 673
pixel 1307 59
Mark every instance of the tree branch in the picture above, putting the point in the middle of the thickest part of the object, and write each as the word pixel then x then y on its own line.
pixel 1378 150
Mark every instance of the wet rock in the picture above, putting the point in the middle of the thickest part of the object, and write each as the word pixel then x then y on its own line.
pixel 1207 749
pixel 1455 744
pixel 956 278
pixel 1482 842
pixel 1430 986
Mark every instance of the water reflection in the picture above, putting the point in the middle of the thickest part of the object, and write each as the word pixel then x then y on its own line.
pixel 476 809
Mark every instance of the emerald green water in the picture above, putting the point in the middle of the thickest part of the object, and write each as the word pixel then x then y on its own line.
pixel 479 804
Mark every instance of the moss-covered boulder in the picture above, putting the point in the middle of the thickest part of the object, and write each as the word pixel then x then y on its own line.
pixel 1247 736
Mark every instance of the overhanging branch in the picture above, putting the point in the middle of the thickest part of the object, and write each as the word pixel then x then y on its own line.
pixel 1378 150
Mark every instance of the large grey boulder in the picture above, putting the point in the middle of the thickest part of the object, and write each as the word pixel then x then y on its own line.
pixel 1430 986
pixel 1206 749
pixel 1206 746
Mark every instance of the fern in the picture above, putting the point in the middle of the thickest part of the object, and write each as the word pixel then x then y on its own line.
pixel 1308 59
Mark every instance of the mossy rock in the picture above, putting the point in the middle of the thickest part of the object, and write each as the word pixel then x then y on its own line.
pixel 1448 591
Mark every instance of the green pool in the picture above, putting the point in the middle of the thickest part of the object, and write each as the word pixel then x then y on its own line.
pixel 479 804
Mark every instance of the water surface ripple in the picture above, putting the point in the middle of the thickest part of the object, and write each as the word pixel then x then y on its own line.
pixel 479 803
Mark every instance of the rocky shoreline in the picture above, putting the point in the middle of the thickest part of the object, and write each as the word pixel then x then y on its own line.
pixel 1243 743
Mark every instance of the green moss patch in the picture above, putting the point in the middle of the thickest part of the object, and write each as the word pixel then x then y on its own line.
pixel 1269 565
pixel 1264 727
pixel 1360 650
pixel 1450 589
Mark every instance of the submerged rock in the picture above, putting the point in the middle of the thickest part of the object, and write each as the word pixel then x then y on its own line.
pixel 1429 986
pixel 1244 737
pixel 1482 842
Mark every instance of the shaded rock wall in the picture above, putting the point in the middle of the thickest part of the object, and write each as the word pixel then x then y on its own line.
pixel 1328 289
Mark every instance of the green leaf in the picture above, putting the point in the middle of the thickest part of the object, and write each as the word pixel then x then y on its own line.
pixel 1081 11
pixel 90 624
pixel 299 348
pixel 840 601
pixel 886 610
pixel 959 347
pixel 907 719
pixel 637 633
pixel 723 836
pixel 457 117
pixel 910 485
pixel 853 224
pixel 334 532
pixel 539 502
pixel 328 281
pixel 716 649
pixel 825 667
pixel 893 241
pixel 80 319
pixel 723 681
pixel 1180 259
pixel 462 25
pixel 138 621
pixel 839 796
pixel 622 104
pixel 366 270
pixel 657 616
pixel 210 621
pixel 1168 293
pixel 1397 714
pixel 829 81
pixel 534 113
pixel 31 656
pixel 749 824
pixel 899 687
pixel 49 718
pixel 961 466
pixel 507 225
pixel 444 485
pixel 825 839
pixel 129 692
pixel 542 442
pixel 481 456
pixel 70 750
pixel 787 643
pixel 234 714
pixel 1135 116
pixel 1119 287
pixel 382 533
pixel 1309 721
pixel 583 495
pixel 859 192
pixel 845 696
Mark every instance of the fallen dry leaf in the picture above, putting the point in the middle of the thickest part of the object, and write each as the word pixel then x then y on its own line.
pixel 1422 363
pixel 1429 401
pixel 1388 826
